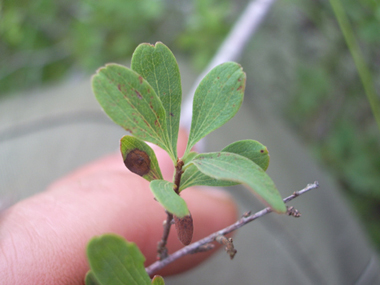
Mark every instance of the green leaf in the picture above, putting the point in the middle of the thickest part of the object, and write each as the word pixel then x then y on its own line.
pixel 168 198
pixel 193 177
pixel 159 67
pixel 234 167
pixel 113 260
pixel 158 280
pixel 252 150
pixel 140 158
pixel 216 100
pixel 90 279
pixel 130 101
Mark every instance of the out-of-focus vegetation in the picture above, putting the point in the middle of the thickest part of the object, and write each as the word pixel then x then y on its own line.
pixel 45 40
pixel 298 58
pixel 303 64
pixel 334 114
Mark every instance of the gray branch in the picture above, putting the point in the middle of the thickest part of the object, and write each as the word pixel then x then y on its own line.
pixel 154 267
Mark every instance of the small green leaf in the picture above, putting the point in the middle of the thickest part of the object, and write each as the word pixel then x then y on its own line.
pixel 216 100
pixel 193 177
pixel 252 150
pixel 158 280
pixel 90 279
pixel 140 158
pixel 166 196
pixel 113 260
pixel 159 67
pixel 189 157
pixel 234 167
pixel 130 101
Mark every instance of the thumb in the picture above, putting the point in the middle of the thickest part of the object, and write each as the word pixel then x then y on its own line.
pixel 43 238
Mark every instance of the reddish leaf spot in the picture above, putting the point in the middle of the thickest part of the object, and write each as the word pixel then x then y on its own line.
pixel 171 114
pixel 241 87
pixel 138 94
pixel 140 79
pixel 261 150
pixel 184 228
pixel 138 161
pixel 118 87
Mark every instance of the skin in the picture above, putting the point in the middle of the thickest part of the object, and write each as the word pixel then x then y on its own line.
pixel 43 238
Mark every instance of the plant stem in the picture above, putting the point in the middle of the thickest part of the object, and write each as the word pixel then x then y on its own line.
pixel 162 251
pixel 154 267
pixel 361 66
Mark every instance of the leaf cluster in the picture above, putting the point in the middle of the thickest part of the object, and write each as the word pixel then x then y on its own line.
pixel 146 101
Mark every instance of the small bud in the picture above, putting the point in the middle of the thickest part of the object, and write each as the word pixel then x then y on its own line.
pixel 184 227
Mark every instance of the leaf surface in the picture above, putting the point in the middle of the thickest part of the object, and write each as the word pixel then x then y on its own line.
pixel 166 196
pixel 158 280
pixel 194 177
pixel 216 100
pixel 234 167
pixel 115 261
pixel 130 101
pixel 140 158
pixel 159 67
pixel 252 150
pixel 90 279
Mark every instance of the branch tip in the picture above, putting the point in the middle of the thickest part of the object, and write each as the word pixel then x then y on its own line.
pixel 229 246
pixel 291 211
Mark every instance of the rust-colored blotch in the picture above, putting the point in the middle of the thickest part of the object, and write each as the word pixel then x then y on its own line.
pixel 138 161
pixel 184 228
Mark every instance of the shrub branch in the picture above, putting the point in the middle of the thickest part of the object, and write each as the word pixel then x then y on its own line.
pixel 154 267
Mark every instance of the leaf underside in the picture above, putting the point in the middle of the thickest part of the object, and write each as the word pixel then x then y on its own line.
pixel 130 101
pixel 250 149
pixel 140 158
pixel 114 261
pixel 216 100
pixel 168 198
pixel 234 167
pixel 159 67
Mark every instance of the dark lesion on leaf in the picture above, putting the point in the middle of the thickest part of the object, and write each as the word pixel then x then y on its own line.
pixel 138 94
pixel 138 161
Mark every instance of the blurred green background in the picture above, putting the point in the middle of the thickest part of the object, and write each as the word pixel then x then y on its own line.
pixel 298 58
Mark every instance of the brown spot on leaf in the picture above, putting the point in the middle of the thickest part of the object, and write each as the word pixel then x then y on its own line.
pixel 184 228
pixel 261 150
pixel 140 79
pixel 138 94
pixel 171 114
pixel 118 87
pixel 240 87
pixel 138 161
